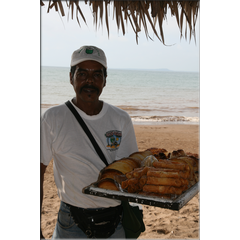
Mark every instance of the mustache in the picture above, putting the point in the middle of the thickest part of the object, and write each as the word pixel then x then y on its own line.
pixel 89 86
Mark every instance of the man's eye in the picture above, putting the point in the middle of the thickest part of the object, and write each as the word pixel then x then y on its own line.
pixel 97 75
pixel 81 74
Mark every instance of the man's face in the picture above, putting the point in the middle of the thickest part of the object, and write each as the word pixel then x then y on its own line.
pixel 88 81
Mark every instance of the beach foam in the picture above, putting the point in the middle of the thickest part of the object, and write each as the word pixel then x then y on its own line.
pixel 166 119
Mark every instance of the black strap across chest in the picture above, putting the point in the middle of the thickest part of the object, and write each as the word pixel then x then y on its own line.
pixel 87 131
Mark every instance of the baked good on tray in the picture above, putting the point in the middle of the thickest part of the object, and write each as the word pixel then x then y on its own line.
pixel 154 172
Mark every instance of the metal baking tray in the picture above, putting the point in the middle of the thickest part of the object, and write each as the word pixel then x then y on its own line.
pixel 175 204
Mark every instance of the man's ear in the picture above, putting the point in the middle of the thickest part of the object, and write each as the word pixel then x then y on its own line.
pixel 105 81
pixel 70 76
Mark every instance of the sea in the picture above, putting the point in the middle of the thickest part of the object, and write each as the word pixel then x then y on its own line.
pixel 149 96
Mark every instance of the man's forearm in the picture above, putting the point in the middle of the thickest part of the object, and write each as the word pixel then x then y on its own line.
pixel 41 193
pixel 42 171
pixel 41 200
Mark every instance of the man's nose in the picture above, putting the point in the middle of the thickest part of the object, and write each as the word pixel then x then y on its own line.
pixel 90 78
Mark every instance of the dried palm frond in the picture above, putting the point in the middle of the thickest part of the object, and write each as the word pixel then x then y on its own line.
pixel 138 13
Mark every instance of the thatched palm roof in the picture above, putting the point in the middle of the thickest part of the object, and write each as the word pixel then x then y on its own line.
pixel 138 13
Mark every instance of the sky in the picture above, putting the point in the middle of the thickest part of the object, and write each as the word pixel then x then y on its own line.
pixel 60 36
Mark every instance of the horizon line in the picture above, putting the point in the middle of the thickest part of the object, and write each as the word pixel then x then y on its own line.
pixel 141 69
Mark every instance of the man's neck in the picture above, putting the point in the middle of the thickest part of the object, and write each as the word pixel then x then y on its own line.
pixel 90 108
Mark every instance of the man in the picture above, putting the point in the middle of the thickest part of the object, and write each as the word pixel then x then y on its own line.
pixel 76 163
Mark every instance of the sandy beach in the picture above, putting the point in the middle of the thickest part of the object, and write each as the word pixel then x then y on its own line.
pixel 160 223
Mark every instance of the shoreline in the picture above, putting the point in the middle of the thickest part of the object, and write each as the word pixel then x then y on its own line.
pixel 147 123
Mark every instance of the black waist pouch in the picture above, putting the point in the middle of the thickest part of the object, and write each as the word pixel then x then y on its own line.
pixel 97 223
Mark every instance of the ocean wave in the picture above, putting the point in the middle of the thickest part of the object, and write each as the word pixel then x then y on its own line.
pixel 165 119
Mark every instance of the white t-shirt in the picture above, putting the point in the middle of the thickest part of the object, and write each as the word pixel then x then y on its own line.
pixel 76 163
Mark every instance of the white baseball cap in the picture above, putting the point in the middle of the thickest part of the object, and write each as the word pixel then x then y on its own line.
pixel 86 53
